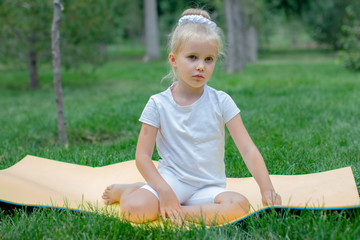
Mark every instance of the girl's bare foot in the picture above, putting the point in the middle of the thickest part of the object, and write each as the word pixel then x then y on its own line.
pixel 114 192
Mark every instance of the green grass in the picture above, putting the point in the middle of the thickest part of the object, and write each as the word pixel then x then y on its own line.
pixel 300 107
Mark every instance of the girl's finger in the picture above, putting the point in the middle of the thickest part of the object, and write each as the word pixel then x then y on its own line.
pixel 174 216
pixel 170 216
pixel 177 217
pixel 163 214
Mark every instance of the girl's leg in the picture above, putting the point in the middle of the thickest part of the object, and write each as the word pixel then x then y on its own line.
pixel 137 204
pixel 228 206
pixel 140 206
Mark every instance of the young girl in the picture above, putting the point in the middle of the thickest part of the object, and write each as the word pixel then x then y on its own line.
pixel 187 123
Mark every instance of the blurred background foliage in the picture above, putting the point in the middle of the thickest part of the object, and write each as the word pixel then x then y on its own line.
pixel 89 27
pixel 350 39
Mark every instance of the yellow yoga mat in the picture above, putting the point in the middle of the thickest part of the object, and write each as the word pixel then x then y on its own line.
pixel 40 182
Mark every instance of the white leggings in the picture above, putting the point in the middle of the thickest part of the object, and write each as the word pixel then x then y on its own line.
pixel 189 195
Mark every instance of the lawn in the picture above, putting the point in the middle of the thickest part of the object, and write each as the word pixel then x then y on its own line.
pixel 300 107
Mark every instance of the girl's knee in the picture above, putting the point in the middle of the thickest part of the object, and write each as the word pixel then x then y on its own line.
pixel 132 206
pixel 240 202
pixel 244 204
pixel 235 201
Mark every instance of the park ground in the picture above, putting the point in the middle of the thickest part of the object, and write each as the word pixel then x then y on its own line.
pixel 301 108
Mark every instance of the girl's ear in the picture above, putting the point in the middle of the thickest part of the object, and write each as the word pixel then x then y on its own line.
pixel 172 60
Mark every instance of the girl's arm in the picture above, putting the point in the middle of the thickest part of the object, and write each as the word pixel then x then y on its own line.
pixel 253 160
pixel 169 204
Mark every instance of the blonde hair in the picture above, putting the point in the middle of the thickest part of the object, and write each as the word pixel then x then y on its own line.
pixel 184 32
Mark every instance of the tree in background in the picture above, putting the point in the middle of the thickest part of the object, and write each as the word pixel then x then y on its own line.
pixel 290 7
pixel 87 27
pixel 129 20
pixel 24 28
pixel 324 20
pixel 151 30
pixel 235 57
pixel 250 30
pixel 241 34
pixel 55 49
pixel 350 55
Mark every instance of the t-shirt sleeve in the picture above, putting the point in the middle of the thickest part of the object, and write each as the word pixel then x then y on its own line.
pixel 228 106
pixel 150 114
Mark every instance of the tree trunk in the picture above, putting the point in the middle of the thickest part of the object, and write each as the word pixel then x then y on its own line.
pixel 251 41
pixel 151 30
pixel 236 55
pixel 55 48
pixel 33 74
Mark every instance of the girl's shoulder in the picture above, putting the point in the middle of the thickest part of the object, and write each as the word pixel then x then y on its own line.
pixel 218 94
pixel 161 98
pixel 226 104
pixel 162 95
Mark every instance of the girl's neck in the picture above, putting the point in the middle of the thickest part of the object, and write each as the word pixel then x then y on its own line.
pixel 184 95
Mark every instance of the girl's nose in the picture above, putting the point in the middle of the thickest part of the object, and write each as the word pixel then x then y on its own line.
pixel 200 66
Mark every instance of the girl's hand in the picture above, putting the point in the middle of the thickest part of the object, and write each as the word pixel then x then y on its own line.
pixel 170 206
pixel 270 197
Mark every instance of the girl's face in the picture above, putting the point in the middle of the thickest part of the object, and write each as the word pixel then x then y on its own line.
pixel 195 61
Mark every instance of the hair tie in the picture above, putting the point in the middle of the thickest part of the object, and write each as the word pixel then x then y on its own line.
pixel 196 19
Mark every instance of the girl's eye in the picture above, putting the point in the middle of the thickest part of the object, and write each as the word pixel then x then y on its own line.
pixel 192 57
pixel 209 59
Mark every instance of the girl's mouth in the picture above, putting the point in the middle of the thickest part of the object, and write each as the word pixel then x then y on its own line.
pixel 198 76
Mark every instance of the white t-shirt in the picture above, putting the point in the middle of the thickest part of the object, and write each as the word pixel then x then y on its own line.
pixel 191 139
